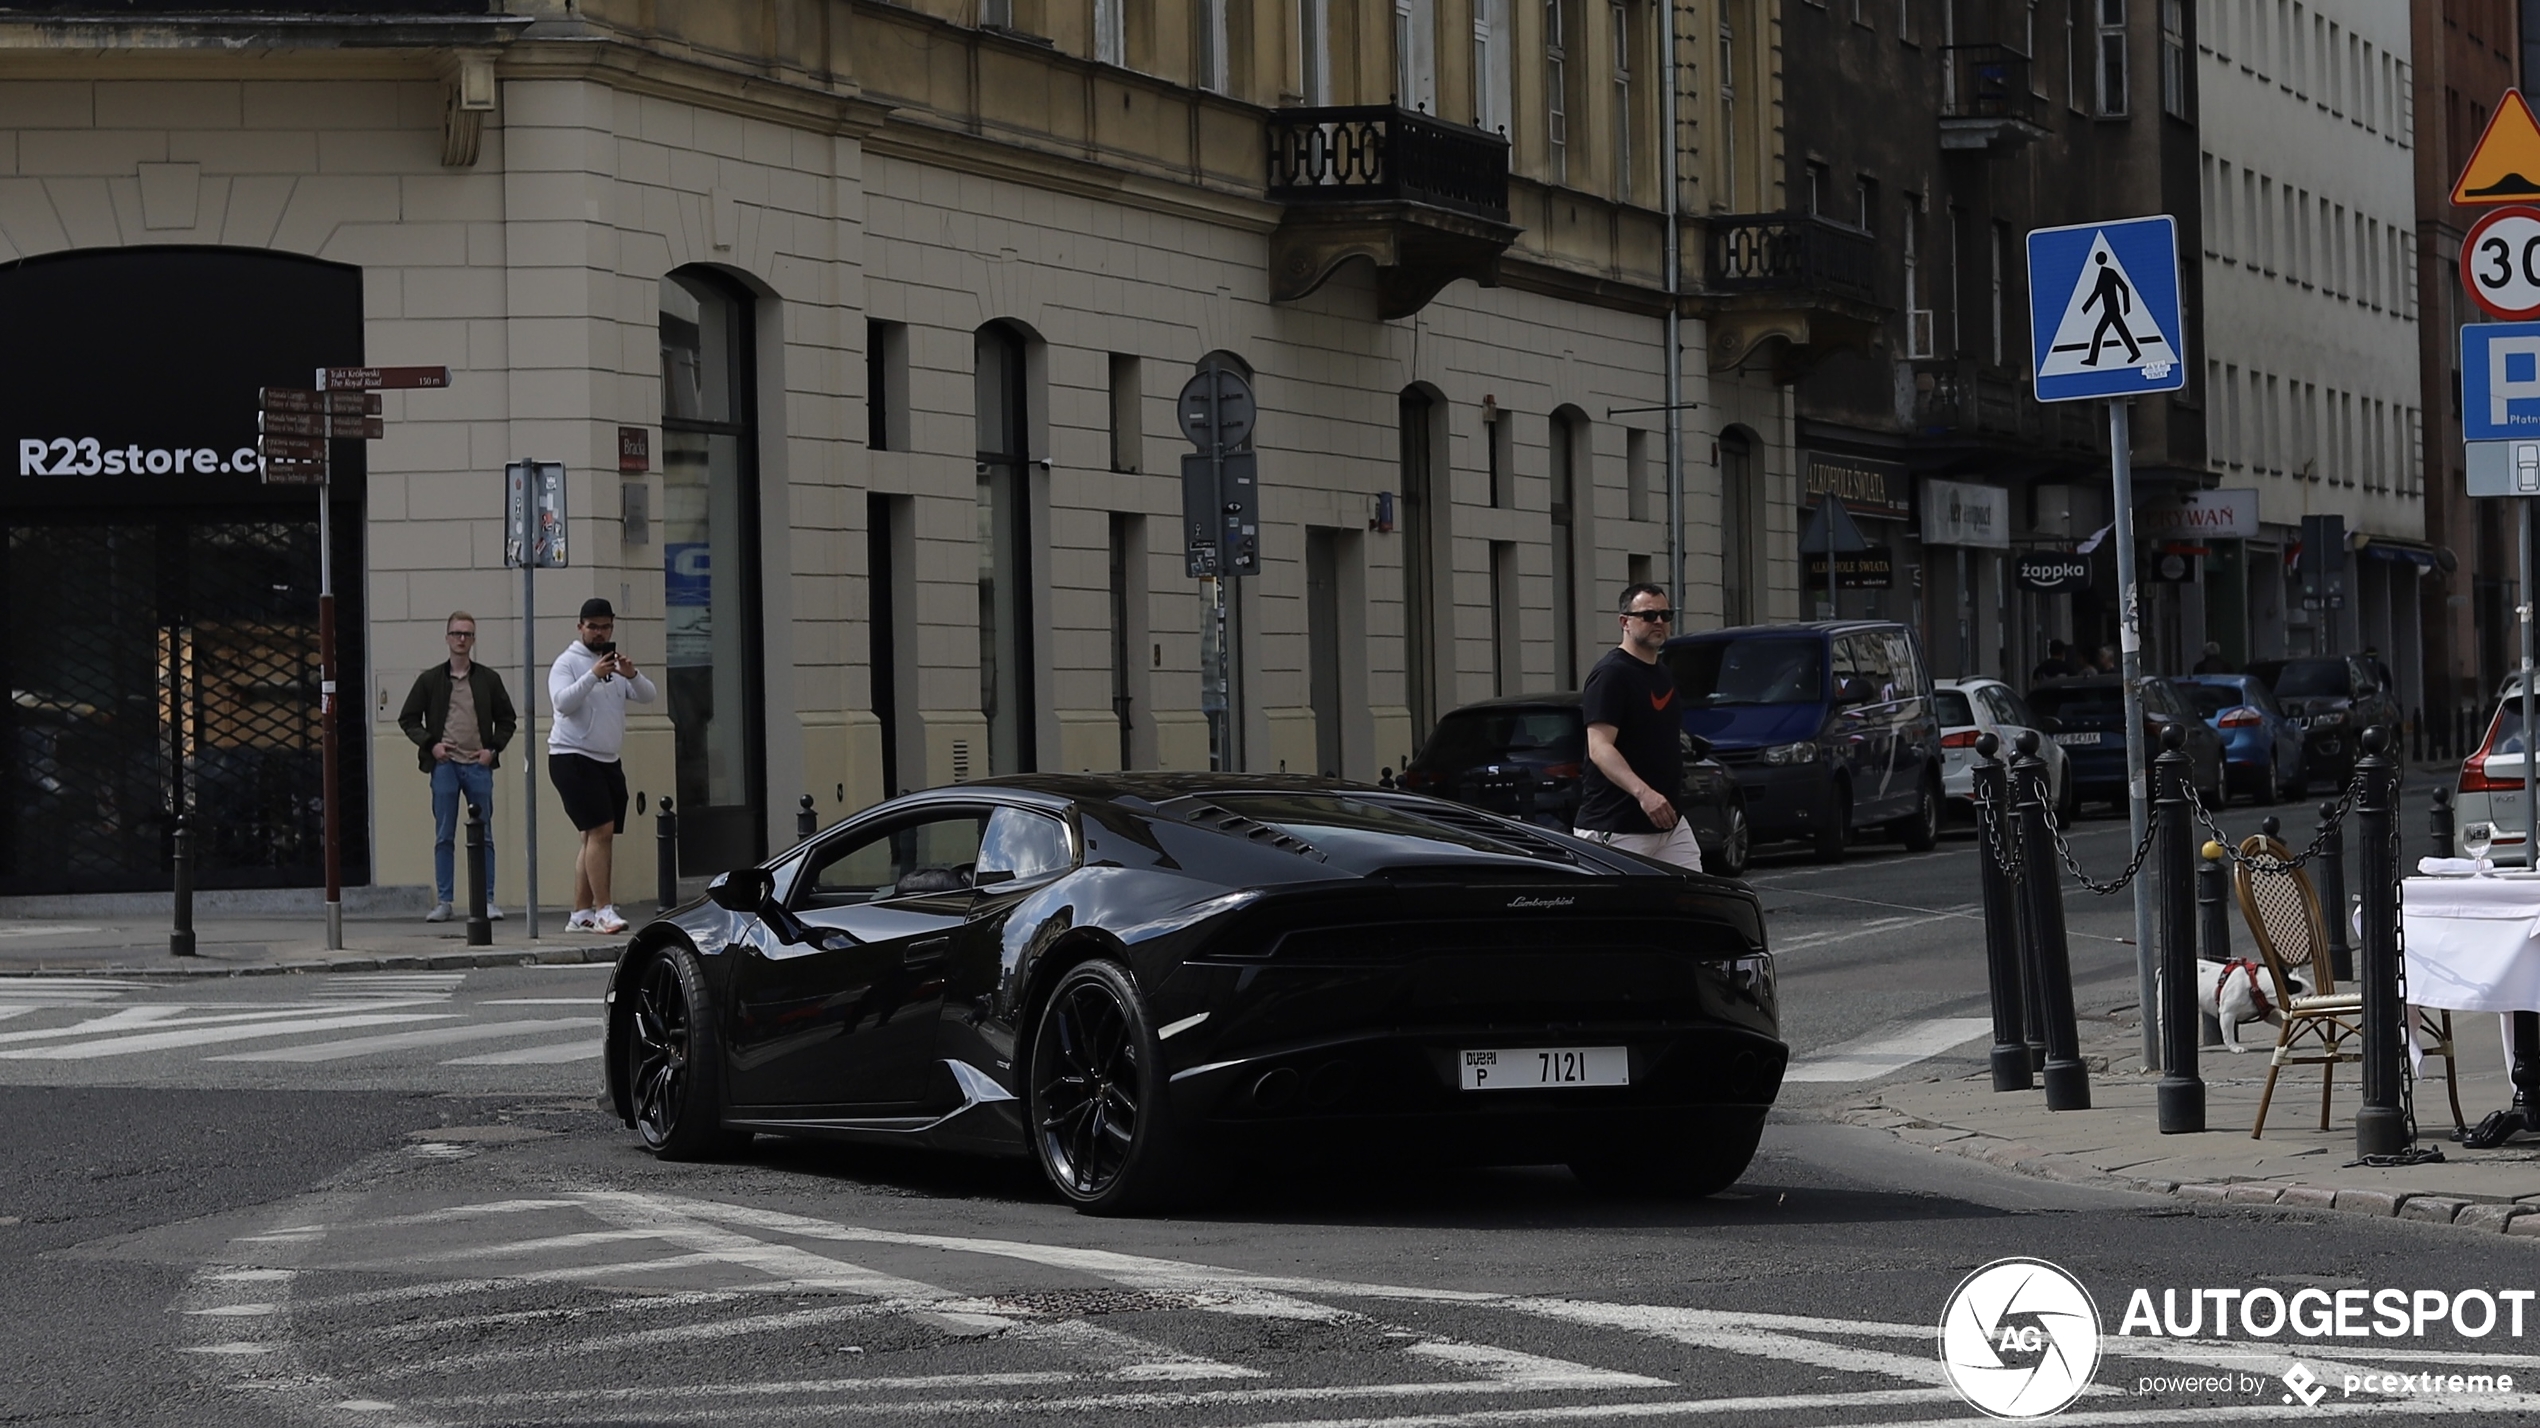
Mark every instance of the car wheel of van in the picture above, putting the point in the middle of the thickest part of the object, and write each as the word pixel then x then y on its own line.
pixel 1095 1097
pixel 1735 844
pixel 1834 836
pixel 2068 802
pixel 674 1063
pixel 1919 831
pixel 1705 1167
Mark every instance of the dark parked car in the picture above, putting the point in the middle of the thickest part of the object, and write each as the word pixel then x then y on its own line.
pixel 1141 980
pixel 1828 727
pixel 2262 750
pixel 2333 699
pixel 1522 757
pixel 2087 717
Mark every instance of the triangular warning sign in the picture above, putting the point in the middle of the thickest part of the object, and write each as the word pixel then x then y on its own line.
pixel 2105 327
pixel 2505 167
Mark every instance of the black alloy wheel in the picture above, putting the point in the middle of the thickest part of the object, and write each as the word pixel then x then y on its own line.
pixel 2068 802
pixel 1736 843
pixel 1834 836
pixel 674 1063
pixel 1096 1096
pixel 1919 831
pixel 1687 1171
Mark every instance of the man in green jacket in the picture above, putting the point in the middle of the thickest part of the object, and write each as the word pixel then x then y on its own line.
pixel 459 718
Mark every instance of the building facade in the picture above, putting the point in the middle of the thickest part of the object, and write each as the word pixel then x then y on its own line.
pixel 860 328
pixel 2313 331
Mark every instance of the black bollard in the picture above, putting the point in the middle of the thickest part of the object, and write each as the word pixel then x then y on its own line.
pixel 2181 1095
pixel 480 927
pixel 1384 777
pixel 2381 1126
pixel 2214 927
pixel 2011 1068
pixel 2439 822
pixel 806 822
pixel 2332 866
pixel 181 929
pixel 666 845
pixel 2067 1080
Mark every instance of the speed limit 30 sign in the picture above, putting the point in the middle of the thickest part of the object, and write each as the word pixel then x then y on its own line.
pixel 2500 263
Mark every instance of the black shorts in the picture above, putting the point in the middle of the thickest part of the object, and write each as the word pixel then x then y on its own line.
pixel 594 793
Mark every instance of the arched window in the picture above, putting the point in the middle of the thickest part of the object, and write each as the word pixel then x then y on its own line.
pixel 1741 512
pixel 1006 695
pixel 710 568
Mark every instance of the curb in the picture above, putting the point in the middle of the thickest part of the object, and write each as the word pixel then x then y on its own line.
pixel 2519 1217
pixel 390 962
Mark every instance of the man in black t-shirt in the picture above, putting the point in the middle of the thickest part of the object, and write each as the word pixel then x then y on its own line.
pixel 1635 741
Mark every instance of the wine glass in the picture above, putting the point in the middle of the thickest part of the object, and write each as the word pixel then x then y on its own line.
pixel 2476 839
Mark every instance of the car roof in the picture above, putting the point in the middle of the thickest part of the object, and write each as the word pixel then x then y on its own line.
pixel 1152 787
pixel 2081 681
pixel 1791 627
pixel 1966 682
pixel 1556 699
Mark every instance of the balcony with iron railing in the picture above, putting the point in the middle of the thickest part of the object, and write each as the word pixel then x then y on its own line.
pixel 1987 101
pixel 1971 399
pixel 1424 200
pixel 1795 286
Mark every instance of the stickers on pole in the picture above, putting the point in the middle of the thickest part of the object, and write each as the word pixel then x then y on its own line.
pixel 2104 309
pixel 2505 167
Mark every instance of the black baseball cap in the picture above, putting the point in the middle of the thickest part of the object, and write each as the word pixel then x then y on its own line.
pixel 596 608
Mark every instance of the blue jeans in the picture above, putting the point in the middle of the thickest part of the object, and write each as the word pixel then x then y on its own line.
pixel 451 778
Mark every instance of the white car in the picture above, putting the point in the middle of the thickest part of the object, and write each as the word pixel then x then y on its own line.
pixel 2490 790
pixel 1967 708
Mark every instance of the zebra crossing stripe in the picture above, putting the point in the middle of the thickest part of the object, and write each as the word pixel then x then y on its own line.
pixel 552 1055
pixel 1869 1057
pixel 208 1035
pixel 407 1040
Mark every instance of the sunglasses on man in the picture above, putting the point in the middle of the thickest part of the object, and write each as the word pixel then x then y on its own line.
pixel 1655 617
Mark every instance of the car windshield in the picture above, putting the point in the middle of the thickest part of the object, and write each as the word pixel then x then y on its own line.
pixel 2211 699
pixel 1480 736
pixel 2311 677
pixel 1751 669
pixel 2087 702
pixel 1950 706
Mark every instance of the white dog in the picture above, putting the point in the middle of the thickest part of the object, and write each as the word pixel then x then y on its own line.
pixel 2240 991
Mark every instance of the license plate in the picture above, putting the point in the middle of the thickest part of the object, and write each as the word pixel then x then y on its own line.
pixel 1531 1068
pixel 2077 740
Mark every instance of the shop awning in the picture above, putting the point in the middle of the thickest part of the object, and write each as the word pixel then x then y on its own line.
pixel 2401 554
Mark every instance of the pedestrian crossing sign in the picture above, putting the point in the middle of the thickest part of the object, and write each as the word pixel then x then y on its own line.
pixel 2104 309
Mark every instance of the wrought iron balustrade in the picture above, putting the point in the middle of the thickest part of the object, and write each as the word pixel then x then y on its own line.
pixel 1791 252
pixel 1376 152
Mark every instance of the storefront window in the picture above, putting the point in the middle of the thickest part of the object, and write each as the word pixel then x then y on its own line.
pixel 710 564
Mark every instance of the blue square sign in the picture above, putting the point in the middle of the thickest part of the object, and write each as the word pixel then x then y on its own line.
pixel 2500 380
pixel 2103 309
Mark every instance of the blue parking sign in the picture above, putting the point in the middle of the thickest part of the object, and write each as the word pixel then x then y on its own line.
pixel 2103 309
pixel 2500 380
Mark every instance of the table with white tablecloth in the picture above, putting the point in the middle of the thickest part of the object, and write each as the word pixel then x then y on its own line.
pixel 2473 944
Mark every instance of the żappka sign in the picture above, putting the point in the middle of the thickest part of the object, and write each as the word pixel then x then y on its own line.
pixel 2213 515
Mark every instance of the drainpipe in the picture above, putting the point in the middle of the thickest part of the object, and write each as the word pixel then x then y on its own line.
pixel 1676 591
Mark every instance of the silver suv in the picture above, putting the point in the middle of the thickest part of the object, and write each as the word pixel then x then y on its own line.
pixel 2490 789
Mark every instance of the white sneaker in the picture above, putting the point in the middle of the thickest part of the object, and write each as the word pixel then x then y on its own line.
pixel 493 914
pixel 581 921
pixel 440 913
pixel 606 922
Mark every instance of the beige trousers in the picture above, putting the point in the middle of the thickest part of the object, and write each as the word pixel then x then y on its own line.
pixel 1676 845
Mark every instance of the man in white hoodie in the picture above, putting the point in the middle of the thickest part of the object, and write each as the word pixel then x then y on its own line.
pixel 588 687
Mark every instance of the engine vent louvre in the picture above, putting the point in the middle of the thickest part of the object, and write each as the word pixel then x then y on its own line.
pixel 1516 837
pixel 1226 820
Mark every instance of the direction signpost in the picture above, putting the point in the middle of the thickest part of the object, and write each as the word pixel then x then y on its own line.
pixel 2104 320
pixel 296 429
pixel 533 536
pixel 1221 519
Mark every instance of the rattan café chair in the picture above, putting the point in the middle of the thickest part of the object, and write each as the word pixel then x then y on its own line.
pixel 2323 1026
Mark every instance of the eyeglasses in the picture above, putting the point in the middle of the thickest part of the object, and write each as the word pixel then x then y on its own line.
pixel 1655 617
pixel 461 634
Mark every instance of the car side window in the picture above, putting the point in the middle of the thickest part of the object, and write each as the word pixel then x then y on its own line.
pixel 2006 708
pixel 1028 845
pixel 932 853
pixel 1901 671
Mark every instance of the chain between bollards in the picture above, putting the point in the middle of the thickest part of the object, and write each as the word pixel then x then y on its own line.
pixel 2067 1079
pixel 480 925
pixel 2012 1070
pixel 2381 1125
pixel 2181 1094
pixel 666 848
pixel 181 929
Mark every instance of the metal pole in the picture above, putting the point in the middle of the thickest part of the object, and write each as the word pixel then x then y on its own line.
pixel 2011 1069
pixel 2381 1124
pixel 328 792
pixel 2067 1079
pixel 2181 1094
pixel 181 931
pixel 2130 653
pixel 480 927
pixel 529 732
pixel 1675 319
pixel 1230 662
pixel 2530 698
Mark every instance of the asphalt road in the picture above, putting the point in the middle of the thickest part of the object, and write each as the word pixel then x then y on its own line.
pixel 413 1214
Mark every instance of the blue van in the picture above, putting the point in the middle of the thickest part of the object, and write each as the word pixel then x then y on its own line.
pixel 1828 726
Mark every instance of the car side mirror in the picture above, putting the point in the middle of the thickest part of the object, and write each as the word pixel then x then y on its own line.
pixel 989 876
pixel 753 890
pixel 742 890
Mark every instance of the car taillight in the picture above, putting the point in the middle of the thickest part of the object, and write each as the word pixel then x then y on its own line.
pixel 1561 771
pixel 2474 777
pixel 1959 739
pixel 2243 717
